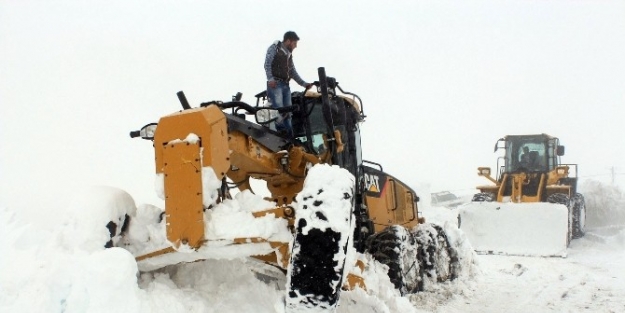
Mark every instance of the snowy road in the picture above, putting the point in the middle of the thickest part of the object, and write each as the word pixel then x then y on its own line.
pixel 590 279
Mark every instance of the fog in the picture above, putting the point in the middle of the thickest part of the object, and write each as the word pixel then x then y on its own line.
pixel 440 82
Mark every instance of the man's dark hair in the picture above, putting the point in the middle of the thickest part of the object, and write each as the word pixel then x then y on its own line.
pixel 290 35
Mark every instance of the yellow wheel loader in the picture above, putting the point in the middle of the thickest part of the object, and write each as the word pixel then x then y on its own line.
pixel 327 206
pixel 532 206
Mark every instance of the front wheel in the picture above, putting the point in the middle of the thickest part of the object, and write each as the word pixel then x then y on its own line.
pixel 321 244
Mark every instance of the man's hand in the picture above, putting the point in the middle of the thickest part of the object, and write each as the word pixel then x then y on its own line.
pixel 272 84
pixel 308 86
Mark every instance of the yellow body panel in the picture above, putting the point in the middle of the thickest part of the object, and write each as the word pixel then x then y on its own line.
pixel 547 185
pixel 180 157
pixel 209 124
pixel 183 194
pixel 393 204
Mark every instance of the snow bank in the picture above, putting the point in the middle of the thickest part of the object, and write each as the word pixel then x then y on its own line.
pixel 89 212
pixel 41 273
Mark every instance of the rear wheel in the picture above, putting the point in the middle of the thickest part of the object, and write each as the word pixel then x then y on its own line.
pixel 396 248
pixel 563 199
pixel 579 215
pixel 438 259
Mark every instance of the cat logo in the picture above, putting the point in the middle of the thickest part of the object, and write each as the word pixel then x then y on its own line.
pixel 372 183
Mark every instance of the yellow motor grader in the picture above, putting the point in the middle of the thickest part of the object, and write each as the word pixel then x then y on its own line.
pixel 532 207
pixel 350 207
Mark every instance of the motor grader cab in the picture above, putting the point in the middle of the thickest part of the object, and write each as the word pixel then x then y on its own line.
pixel 530 178
pixel 202 153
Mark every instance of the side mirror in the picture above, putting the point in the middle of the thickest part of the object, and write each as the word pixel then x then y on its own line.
pixel 266 115
pixel 497 144
pixel 146 132
pixel 560 150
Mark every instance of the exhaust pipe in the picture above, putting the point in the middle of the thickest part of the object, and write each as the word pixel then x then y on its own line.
pixel 183 100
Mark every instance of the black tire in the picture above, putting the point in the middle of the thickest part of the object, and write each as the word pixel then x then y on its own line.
pixel 396 248
pixel 315 270
pixel 561 198
pixel 483 197
pixel 579 215
pixel 439 261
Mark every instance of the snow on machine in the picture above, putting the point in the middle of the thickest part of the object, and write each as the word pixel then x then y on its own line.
pixel 328 207
pixel 532 208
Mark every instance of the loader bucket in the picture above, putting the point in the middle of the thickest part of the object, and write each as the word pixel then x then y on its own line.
pixel 525 229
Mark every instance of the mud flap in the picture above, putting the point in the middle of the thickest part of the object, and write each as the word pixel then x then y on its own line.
pixel 527 229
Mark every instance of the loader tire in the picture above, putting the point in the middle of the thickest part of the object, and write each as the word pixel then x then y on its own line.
pixel 396 248
pixel 483 197
pixel 579 215
pixel 561 198
pixel 438 259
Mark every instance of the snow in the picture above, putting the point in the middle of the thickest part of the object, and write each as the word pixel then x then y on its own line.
pixel 590 278
pixel 330 187
pixel 63 267
pixel 537 229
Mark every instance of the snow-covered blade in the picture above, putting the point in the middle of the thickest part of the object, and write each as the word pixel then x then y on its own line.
pixel 225 222
pixel 527 229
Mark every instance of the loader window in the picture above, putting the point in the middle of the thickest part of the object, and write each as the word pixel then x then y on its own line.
pixel 528 154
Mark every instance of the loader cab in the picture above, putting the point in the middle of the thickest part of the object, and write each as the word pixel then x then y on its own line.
pixel 531 153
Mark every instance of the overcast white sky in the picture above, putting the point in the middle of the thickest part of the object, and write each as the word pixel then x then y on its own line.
pixel 441 81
